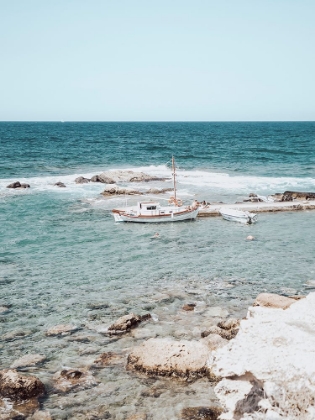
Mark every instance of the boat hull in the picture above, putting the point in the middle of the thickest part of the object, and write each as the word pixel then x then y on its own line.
pixel 239 216
pixel 174 217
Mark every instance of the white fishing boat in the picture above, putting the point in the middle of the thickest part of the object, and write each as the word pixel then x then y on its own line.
pixel 153 212
pixel 238 216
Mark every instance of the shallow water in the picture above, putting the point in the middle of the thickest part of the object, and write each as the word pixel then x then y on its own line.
pixel 64 260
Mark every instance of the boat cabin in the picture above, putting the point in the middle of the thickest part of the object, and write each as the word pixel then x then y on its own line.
pixel 149 208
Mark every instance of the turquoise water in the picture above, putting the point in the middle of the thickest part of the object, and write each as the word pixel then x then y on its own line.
pixel 64 260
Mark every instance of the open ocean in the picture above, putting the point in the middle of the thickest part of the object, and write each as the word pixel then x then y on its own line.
pixel 64 260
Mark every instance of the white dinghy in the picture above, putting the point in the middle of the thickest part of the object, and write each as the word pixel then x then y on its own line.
pixel 153 212
pixel 238 216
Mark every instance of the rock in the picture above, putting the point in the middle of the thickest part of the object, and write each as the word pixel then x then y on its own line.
pixel 60 184
pixel 250 238
pixel 196 413
pixel 41 415
pixel 251 195
pixel 297 195
pixel 115 190
pixel 28 360
pixel 214 341
pixel 126 322
pixel 229 324
pixel 226 334
pixel 189 307
pixel 61 329
pixel 250 403
pixel 271 300
pixel 17 184
pixel 129 176
pixel 106 359
pixel 167 357
pixel 3 310
pixel 153 392
pixel 102 178
pixel 15 335
pixel 73 379
pixel 159 191
pixel 81 180
pixel 276 347
pixel 140 416
pixel 15 386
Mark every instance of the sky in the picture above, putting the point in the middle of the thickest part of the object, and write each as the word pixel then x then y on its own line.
pixel 149 60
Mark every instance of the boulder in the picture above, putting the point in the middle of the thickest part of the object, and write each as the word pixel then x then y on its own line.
pixel 15 335
pixel 167 357
pixel 62 329
pixel 115 190
pixel 41 415
pixel 126 322
pixel 4 310
pixel 102 178
pixel 15 386
pixel 28 360
pixel 17 184
pixel 272 300
pixel 81 180
pixel 196 413
pixel 73 379
pixel 60 184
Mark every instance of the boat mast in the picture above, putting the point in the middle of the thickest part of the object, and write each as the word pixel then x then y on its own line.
pixel 174 178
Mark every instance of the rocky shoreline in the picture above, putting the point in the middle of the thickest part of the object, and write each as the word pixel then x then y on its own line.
pixel 260 367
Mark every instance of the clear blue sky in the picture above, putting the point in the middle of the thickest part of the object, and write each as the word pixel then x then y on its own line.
pixel 157 60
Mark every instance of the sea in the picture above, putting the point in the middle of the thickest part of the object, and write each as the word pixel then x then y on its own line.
pixel 63 259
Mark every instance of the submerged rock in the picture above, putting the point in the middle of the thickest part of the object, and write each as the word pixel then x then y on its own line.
pixel 196 413
pixel 28 360
pixel 189 307
pixel 167 357
pixel 15 386
pixel 62 329
pixel 73 379
pixel 15 335
pixel 106 359
pixel 81 180
pixel 271 300
pixel 126 322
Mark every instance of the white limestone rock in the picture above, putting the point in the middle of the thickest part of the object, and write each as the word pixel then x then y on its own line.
pixel 277 347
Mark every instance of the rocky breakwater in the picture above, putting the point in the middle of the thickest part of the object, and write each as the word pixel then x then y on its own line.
pixel 268 369
pixel 113 177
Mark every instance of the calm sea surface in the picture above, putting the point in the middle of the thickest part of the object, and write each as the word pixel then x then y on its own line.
pixel 64 260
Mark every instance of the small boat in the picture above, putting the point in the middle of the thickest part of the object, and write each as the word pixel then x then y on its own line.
pixel 153 212
pixel 238 216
